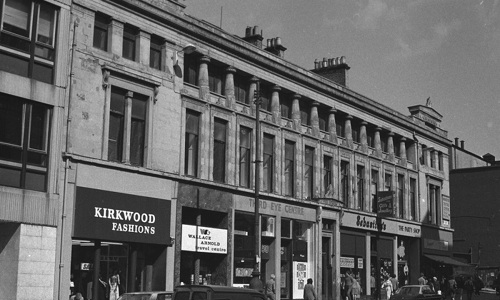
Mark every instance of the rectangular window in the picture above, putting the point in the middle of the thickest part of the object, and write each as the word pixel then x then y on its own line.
pixel 190 69
pixel 388 182
pixel 401 199
pixel 340 127
pixel 356 131
pixel 308 172
pixel 245 155
pixel 129 42
pixel 155 60
pixel 265 97
pixel 433 158
pixel 360 182
pixel 370 137
pixel 127 127
pixel 101 24
pixel 323 115
pixel 216 79
pixel 383 141
pixel 344 182
pixel 434 201
pixel 327 175
pixel 397 148
pixel 268 163
pixel 24 143
pixel 219 150
pixel 27 34
pixel 289 168
pixel 374 189
pixel 191 143
pixel 305 113
pixel 440 161
pixel 241 86
pixel 413 199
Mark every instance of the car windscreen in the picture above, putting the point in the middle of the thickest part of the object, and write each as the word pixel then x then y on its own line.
pixel 136 297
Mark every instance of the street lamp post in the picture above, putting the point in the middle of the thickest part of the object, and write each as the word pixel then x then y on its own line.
pixel 255 282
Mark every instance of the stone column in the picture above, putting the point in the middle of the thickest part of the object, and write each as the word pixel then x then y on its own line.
pixel 332 125
pixel 390 145
pixel 363 137
pixel 377 143
pixel 315 118
pixel 229 87
pixel 127 127
pixel 348 131
pixel 251 93
pixel 402 149
pixel 143 47
pixel 296 111
pixel 275 104
pixel 203 78
pixel 116 37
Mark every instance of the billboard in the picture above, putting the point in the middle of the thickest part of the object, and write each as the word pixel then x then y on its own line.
pixel 385 203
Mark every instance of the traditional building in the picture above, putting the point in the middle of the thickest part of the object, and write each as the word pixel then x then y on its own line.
pixel 157 180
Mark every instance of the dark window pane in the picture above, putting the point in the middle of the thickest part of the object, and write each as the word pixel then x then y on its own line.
pixel 138 107
pixel 289 167
pixel 38 128
pixel 137 136
pixel 44 52
pixel 219 150
pixel 38 159
pixel 245 141
pixel 115 139
pixel 15 42
pixel 35 181
pixel 10 177
pixel 11 153
pixel 43 73
pixel 155 59
pixel 11 120
pixel 13 64
pixel 101 32
pixel 128 43
pixel 191 143
pixel 268 163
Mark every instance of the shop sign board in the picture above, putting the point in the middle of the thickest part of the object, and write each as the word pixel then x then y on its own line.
pixel 446 207
pixel 366 222
pixel 109 216
pixel 385 203
pixel 275 208
pixel 360 263
pixel 204 239
pixel 347 262
pixel 300 276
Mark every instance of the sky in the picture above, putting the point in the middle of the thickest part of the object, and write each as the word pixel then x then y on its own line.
pixel 401 52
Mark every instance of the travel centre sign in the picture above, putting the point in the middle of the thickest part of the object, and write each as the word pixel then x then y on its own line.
pixel 204 239
pixel 359 221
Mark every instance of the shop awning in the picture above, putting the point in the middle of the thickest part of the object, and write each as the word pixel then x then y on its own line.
pixel 446 260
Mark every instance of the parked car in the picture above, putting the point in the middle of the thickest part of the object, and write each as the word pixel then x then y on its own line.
pixel 158 295
pixel 415 292
pixel 215 292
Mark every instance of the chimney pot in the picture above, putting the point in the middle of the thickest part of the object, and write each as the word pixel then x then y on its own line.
pixel 255 30
pixel 342 60
pixel 248 31
pixel 462 144
pixel 278 41
pixel 268 42
pixel 316 63
pixel 456 141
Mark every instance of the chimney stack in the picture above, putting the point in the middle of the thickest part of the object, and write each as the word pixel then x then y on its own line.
pixel 253 36
pixel 334 69
pixel 275 47
pixel 489 158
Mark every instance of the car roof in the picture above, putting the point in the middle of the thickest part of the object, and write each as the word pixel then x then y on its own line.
pixel 217 288
pixel 147 292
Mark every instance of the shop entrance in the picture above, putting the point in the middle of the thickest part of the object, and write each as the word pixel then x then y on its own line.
pixel 136 267
pixel 327 268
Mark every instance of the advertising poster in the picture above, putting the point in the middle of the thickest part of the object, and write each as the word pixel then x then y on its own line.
pixel 204 239
pixel 300 275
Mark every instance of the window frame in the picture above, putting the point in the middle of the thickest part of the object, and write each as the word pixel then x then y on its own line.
pixel 156 45
pixel 26 55
pixel 144 90
pixel 219 149
pixel 268 157
pixel 23 146
pixel 130 35
pixel 245 157
pixel 192 171
pixel 309 157
pixel 374 186
pixel 101 24
pixel 289 159
pixel 344 182
pixel 360 186
pixel 327 173
pixel 401 195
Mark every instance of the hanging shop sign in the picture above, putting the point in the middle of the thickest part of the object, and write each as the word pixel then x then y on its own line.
pixel 385 203
pixel 109 216
pixel 204 239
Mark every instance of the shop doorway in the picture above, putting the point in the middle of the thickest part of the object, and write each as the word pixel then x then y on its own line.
pixel 327 267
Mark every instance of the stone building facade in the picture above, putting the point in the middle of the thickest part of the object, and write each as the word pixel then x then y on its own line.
pixel 156 180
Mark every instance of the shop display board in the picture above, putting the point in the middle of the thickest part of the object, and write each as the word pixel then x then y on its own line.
pixel 300 276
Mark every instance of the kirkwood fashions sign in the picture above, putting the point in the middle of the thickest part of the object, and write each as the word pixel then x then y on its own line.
pixel 109 216
pixel 204 239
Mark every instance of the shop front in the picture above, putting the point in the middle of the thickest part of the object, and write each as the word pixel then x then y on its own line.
pixel 288 245
pixel 119 243
pixel 395 244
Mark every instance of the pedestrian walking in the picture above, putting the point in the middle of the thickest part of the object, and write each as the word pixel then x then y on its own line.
pixel 309 293
pixel 271 288
pixel 387 287
pixel 469 288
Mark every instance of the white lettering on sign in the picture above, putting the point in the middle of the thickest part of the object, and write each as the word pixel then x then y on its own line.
pixel 130 216
pixel 204 239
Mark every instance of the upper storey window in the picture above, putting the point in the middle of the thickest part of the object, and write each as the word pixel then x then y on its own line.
pixel 190 69
pixel 155 57
pixel 101 24
pixel 27 38
pixel 24 143
pixel 216 79
pixel 129 42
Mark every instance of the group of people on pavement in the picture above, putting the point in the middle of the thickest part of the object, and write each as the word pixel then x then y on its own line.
pixel 459 288
pixel 270 289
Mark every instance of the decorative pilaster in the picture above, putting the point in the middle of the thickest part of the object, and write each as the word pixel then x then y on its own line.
pixel 315 118
pixel 296 111
pixel 348 131
pixel 229 87
pixel 390 145
pixel 203 78
pixel 275 104
pixel 251 93
pixel 377 142
pixel 116 37
pixel 332 125
pixel 363 137
pixel 402 150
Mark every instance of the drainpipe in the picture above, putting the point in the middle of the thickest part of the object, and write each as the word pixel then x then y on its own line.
pixel 66 163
